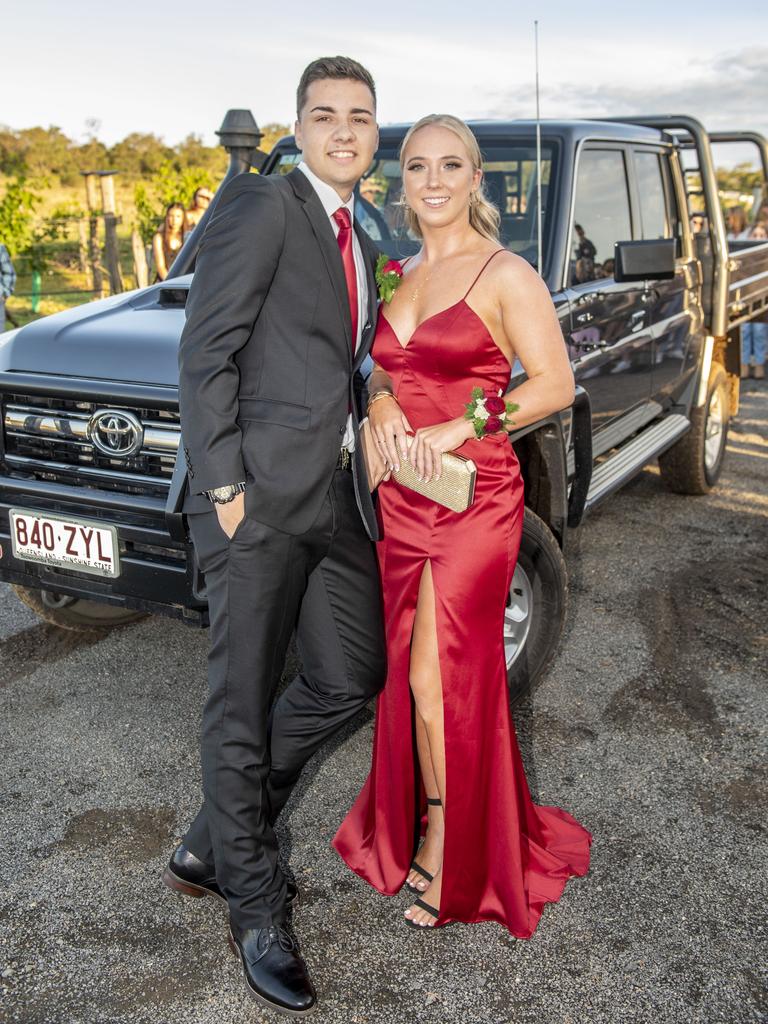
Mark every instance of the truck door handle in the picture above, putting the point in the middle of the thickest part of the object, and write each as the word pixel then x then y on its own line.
pixel 590 346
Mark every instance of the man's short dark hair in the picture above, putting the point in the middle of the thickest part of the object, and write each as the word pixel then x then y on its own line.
pixel 332 67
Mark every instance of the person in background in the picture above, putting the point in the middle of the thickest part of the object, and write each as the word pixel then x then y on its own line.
pixel 367 199
pixel 698 223
pixel 7 282
pixel 200 202
pixel 754 335
pixel 736 223
pixel 168 239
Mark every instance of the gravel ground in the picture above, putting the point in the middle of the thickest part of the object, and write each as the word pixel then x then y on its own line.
pixel 649 728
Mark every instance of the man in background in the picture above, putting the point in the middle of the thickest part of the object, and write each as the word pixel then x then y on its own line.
pixel 7 282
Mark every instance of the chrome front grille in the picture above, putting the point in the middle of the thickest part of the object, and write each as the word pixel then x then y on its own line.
pixel 70 441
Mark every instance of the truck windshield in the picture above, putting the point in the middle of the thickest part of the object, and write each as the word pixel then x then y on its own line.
pixel 510 183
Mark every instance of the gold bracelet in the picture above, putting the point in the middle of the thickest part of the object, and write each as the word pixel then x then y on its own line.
pixel 380 394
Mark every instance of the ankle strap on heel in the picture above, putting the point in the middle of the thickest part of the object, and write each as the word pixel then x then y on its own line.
pixel 434 801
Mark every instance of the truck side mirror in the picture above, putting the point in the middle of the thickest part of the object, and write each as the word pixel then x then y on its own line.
pixel 650 260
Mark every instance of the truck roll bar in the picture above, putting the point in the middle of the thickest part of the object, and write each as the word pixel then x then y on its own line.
pixel 755 137
pixel 240 136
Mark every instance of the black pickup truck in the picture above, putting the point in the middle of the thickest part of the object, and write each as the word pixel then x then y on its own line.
pixel 90 528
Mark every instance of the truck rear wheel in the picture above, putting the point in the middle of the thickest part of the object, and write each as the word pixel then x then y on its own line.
pixel 693 465
pixel 536 607
pixel 74 613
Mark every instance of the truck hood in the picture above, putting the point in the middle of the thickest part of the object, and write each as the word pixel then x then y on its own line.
pixel 133 337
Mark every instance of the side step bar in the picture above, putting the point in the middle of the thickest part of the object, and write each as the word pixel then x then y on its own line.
pixel 631 457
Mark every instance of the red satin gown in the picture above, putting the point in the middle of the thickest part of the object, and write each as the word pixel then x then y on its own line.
pixel 504 857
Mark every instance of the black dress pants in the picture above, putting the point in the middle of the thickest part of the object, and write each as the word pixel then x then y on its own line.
pixel 261 585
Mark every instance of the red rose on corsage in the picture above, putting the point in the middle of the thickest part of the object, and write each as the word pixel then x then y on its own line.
pixel 389 273
pixel 489 413
pixel 496 407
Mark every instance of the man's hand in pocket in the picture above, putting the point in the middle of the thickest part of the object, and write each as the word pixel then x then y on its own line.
pixel 231 514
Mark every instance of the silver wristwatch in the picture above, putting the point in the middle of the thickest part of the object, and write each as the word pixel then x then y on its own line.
pixel 223 495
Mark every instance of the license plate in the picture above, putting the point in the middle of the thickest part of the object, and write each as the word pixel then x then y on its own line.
pixel 66 543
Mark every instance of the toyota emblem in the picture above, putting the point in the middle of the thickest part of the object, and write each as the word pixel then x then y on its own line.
pixel 115 432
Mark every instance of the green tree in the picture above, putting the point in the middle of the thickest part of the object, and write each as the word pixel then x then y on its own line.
pixel 139 154
pixel 17 208
pixel 272 132
pixel 47 152
pixel 192 152
pixel 742 178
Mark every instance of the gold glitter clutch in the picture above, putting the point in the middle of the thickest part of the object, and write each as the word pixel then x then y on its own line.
pixel 456 487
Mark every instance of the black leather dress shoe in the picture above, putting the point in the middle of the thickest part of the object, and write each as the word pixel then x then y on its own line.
pixel 275 972
pixel 191 876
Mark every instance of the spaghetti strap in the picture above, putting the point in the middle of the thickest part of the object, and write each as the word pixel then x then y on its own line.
pixel 481 272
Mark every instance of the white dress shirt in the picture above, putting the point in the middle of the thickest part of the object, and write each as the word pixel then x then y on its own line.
pixel 331 201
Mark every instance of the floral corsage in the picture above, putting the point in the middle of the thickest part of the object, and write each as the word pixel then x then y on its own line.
pixel 389 274
pixel 488 412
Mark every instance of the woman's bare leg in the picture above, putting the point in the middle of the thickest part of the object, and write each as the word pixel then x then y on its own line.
pixel 430 854
pixel 426 686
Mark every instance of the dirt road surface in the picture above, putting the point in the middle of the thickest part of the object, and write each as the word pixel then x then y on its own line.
pixel 650 728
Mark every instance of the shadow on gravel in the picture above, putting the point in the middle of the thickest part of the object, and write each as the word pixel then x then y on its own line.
pixel 24 652
pixel 712 615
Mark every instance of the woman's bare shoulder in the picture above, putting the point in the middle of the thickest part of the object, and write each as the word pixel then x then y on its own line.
pixel 511 266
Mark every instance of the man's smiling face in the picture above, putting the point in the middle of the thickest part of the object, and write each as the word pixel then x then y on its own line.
pixel 337 132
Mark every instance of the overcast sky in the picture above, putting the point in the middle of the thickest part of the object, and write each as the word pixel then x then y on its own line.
pixel 173 69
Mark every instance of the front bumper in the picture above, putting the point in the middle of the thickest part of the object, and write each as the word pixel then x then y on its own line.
pixel 158 571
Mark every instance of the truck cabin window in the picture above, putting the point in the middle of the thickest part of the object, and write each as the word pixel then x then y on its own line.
pixel 601 215
pixel 510 182
pixel 655 220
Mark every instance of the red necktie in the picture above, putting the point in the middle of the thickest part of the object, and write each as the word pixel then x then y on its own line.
pixel 344 239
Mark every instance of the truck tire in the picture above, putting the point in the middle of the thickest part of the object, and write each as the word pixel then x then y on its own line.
pixel 536 607
pixel 694 463
pixel 74 613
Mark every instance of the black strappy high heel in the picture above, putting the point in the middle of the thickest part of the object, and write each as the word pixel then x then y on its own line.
pixel 415 866
pixel 422 906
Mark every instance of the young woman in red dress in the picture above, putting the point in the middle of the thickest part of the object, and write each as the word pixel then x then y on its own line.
pixel 446 764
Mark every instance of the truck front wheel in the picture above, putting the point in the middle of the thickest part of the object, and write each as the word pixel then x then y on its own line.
pixel 74 613
pixel 694 463
pixel 536 607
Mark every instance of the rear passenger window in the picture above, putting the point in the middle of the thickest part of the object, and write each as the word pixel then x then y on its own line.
pixel 650 188
pixel 601 214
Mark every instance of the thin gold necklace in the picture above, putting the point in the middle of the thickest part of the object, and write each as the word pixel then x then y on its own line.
pixel 418 289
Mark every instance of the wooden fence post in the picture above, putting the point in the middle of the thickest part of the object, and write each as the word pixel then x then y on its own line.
pixel 94 208
pixel 82 246
pixel 111 255
pixel 140 268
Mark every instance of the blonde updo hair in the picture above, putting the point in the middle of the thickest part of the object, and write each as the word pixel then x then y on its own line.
pixel 483 215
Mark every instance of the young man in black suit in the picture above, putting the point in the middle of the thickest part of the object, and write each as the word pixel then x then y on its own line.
pixel 280 316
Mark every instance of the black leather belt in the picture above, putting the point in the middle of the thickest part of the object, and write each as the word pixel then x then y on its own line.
pixel 344 460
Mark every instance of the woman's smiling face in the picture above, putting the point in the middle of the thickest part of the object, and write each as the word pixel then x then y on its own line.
pixel 438 176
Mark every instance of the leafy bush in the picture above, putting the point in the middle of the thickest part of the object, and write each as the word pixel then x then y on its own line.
pixel 16 211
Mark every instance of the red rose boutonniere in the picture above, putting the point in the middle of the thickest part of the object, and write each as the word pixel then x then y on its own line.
pixel 389 274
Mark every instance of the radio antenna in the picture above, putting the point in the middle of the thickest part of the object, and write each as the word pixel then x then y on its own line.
pixel 539 241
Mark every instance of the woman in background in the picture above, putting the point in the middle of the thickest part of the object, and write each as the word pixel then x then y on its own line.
pixel 168 239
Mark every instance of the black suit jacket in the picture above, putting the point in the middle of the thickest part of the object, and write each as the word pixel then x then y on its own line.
pixel 266 370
